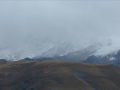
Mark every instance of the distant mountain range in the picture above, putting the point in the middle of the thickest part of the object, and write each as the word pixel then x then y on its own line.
pixel 113 58
pixel 86 55
pixel 92 53
pixel 79 55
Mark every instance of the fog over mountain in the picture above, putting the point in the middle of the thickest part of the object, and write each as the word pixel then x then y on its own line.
pixel 31 28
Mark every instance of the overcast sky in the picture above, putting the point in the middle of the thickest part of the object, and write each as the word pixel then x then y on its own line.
pixel 25 24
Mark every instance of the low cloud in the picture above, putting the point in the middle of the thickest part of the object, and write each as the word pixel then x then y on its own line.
pixel 32 27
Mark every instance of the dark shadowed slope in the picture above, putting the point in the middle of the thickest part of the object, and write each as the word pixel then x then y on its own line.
pixel 58 75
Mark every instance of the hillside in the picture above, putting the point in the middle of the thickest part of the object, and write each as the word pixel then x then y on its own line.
pixel 58 75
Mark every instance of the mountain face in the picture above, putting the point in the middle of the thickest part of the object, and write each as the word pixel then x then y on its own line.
pixel 79 55
pixel 46 49
pixel 89 53
pixel 58 75
pixel 37 49
pixel 113 58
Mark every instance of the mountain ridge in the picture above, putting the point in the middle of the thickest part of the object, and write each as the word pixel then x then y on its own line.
pixel 58 75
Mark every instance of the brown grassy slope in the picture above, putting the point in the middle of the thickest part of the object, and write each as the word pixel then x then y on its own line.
pixel 58 75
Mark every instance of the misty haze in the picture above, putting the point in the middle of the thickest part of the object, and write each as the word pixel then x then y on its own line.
pixel 32 28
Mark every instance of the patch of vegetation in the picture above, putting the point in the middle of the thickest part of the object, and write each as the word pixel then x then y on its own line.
pixel 58 75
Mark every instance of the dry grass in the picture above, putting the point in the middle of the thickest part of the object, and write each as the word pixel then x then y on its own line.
pixel 58 75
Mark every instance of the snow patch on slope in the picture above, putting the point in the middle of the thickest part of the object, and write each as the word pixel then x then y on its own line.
pixel 111 46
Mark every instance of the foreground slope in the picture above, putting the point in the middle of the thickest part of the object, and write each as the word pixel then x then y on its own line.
pixel 58 75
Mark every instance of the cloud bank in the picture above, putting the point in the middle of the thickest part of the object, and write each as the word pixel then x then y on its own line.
pixel 29 28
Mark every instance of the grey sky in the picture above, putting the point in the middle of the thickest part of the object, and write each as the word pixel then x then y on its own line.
pixel 25 24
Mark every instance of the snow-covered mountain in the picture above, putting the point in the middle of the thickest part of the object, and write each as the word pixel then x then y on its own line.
pixel 112 58
pixel 95 53
pixel 47 50
pixel 68 51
